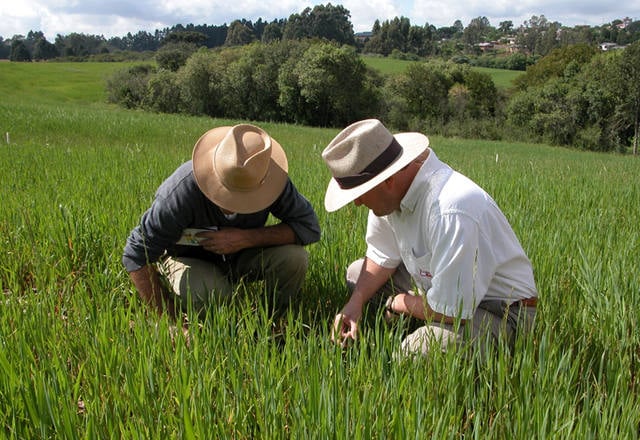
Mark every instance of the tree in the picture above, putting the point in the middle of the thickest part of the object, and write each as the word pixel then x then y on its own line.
pixel 272 32
pixel 630 82
pixel 332 23
pixel 196 38
pixel 128 86
pixel 555 64
pixel 19 51
pixel 328 22
pixel 173 55
pixel 392 35
pixel 531 35
pixel 327 86
pixel 79 45
pixel 200 79
pixel 239 34
pixel 163 94
pixel 483 94
pixel 5 48
pixel 43 50
pixel 506 27
pixel 420 93
pixel 477 31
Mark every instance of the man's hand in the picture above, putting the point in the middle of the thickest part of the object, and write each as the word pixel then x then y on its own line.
pixel 225 241
pixel 175 331
pixel 231 240
pixel 345 325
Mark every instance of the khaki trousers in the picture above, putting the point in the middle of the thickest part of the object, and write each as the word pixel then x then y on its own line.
pixel 493 321
pixel 199 283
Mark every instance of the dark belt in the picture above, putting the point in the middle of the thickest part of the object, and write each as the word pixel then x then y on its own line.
pixel 529 302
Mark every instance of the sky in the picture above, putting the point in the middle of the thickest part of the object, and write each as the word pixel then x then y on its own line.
pixel 115 18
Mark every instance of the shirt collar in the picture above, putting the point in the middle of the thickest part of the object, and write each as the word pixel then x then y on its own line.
pixel 430 166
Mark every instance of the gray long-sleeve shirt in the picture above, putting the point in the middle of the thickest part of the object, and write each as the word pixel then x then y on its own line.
pixel 179 204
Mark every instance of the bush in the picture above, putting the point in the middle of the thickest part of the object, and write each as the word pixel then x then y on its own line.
pixel 128 87
pixel 163 94
pixel 172 56
pixel 200 81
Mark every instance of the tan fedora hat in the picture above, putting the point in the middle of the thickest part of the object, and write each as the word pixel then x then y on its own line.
pixel 363 155
pixel 241 168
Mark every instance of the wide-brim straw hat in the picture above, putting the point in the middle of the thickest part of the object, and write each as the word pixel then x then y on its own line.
pixel 363 155
pixel 240 168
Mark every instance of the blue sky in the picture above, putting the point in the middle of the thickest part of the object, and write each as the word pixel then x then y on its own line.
pixel 117 17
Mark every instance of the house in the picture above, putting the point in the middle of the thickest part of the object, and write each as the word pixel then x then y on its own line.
pixel 363 37
pixel 608 46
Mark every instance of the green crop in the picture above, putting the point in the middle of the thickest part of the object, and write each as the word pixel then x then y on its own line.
pixel 82 358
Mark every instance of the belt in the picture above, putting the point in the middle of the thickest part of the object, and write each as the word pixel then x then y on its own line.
pixel 529 302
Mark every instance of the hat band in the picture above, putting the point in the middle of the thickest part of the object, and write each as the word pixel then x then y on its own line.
pixel 373 169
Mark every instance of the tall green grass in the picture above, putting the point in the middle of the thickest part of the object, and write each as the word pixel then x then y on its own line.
pixel 81 357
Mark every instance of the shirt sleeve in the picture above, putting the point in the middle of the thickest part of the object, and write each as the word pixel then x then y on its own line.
pixel 382 247
pixel 293 209
pixel 159 229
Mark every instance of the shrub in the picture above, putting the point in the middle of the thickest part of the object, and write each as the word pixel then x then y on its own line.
pixel 172 56
pixel 163 94
pixel 128 87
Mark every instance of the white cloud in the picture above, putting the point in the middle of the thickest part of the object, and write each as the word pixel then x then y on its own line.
pixel 364 14
pixel 118 17
pixel 569 13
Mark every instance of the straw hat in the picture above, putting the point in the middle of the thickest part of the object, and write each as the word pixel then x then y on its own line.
pixel 241 168
pixel 363 155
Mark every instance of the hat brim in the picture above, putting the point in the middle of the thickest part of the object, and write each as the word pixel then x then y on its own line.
pixel 246 202
pixel 413 144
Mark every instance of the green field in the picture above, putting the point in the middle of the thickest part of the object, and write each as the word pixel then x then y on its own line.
pixel 81 357
pixel 503 79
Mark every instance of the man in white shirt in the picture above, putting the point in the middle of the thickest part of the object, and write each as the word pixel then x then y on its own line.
pixel 438 246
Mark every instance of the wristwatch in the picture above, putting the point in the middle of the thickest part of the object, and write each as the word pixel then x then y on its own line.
pixel 387 306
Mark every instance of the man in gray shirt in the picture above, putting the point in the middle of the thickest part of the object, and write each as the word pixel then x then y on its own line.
pixel 206 228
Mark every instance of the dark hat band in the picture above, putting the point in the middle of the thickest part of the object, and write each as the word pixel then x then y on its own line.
pixel 373 169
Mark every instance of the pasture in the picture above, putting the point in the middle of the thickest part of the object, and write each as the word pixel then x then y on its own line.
pixel 503 79
pixel 81 357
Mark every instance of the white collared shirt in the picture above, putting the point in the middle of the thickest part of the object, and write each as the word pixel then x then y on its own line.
pixel 455 242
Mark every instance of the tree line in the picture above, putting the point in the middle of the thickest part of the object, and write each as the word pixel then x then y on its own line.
pixel 397 37
pixel 576 96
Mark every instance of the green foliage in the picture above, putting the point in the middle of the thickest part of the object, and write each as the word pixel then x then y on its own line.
pixel 19 51
pixel 329 86
pixel 128 87
pixel 436 96
pixel 483 94
pixel 174 55
pixel 580 105
pixel 189 37
pixel 554 64
pixel 630 88
pixel 43 50
pixel 199 81
pixel 327 22
pixel 297 81
pixel 163 93
pixel 399 36
pixel 239 34
pixel 424 90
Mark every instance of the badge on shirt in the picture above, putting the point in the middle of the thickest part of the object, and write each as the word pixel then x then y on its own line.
pixel 425 273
